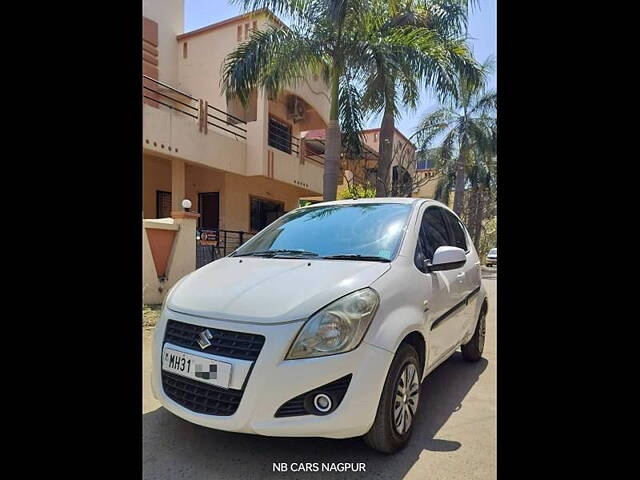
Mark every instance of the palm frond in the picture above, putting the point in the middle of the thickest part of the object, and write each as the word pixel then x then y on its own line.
pixel 450 16
pixel 432 126
pixel 298 8
pixel 450 144
pixel 484 103
pixel 437 61
pixel 351 116
pixel 472 83
pixel 271 59
pixel 479 135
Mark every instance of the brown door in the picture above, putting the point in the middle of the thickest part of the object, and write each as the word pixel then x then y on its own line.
pixel 209 210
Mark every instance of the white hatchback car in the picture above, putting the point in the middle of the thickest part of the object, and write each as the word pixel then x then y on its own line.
pixel 324 324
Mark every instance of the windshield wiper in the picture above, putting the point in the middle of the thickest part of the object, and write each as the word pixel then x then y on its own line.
pixel 354 256
pixel 273 253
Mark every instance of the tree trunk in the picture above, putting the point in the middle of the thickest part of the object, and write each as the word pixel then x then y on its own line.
pixel 333 146
pixel 458 199
pixel 470 211
pixel 385 152
pixel 477 229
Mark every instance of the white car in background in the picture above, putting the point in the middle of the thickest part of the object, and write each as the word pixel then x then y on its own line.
pixel 324 324
pixel 492 257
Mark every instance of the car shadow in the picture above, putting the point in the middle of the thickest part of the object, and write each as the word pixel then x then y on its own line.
pixel 174 448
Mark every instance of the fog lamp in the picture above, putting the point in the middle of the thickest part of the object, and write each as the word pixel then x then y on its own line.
pixel 322 402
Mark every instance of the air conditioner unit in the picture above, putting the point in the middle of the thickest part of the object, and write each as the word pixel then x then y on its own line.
pixel 295 109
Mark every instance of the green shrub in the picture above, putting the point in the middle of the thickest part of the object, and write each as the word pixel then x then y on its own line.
pixel 357 191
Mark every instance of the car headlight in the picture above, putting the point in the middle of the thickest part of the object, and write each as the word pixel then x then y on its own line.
pixel 337 328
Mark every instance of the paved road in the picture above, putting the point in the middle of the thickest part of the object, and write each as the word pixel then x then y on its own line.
pixel 454 436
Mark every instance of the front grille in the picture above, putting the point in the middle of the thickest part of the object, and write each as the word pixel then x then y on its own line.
pixel 303 404
pixel 200 397
pixel 243 346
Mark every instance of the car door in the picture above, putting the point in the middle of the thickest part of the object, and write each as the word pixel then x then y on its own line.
pixel 443 291
pixel 469 275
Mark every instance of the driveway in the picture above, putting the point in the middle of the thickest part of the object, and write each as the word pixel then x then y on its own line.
pixel 454 436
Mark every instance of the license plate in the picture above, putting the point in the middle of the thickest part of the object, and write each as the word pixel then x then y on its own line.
pixel 196 367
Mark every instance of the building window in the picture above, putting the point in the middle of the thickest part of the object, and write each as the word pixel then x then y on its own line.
pixel 163 204
pixel 246 31
pixel 263 212
pixel 431 163
pixel 184 50
pixel 254 26
pixel 421 165
pixel 239 33
pixel 375 137
pixel 279 135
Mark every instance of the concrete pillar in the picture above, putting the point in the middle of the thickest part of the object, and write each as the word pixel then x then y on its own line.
pixel 178 183
pixel 257 137
pixel 183 256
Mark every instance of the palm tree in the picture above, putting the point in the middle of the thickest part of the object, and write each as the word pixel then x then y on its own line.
pixel 481 174
pixel 483 182
pixel 321 40
pixel 408 43
pixel 466 123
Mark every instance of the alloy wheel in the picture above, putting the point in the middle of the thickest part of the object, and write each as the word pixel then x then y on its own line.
pixel 405 402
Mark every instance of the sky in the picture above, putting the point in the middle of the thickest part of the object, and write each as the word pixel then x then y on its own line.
pixel 482 33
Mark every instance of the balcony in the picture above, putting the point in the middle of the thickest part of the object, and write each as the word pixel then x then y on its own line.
pixel 178 125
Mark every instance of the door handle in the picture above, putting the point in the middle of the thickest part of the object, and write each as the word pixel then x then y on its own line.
pixel 460 277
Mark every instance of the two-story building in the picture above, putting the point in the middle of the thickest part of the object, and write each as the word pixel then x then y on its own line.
pixel 239 167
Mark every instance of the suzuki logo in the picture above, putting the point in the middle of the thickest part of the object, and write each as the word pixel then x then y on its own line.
pixel 205 336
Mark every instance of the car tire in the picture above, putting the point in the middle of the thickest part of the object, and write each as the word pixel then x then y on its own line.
pixel 472 350
pixel 385 435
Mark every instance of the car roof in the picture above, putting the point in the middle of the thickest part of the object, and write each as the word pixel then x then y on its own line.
pixel 375 200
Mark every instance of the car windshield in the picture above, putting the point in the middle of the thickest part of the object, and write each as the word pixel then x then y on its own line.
pixel 363 231
pixel 493 251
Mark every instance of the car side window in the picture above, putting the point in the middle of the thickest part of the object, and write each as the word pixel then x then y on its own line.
pixel 433 234
pixel 459 239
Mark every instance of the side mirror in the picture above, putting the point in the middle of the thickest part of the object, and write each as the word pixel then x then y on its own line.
pixel 446 258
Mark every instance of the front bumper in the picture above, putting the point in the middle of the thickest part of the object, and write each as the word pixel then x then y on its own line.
pixel 272 381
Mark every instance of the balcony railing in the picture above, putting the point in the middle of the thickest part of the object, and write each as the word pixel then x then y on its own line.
pixel 182 102
pixel 156 92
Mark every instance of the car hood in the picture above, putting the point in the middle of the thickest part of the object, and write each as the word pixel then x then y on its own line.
pixel 269 290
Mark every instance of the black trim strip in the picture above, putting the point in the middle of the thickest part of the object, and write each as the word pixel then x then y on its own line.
pixel 448 313
pixel 452 310
pixel 473 293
